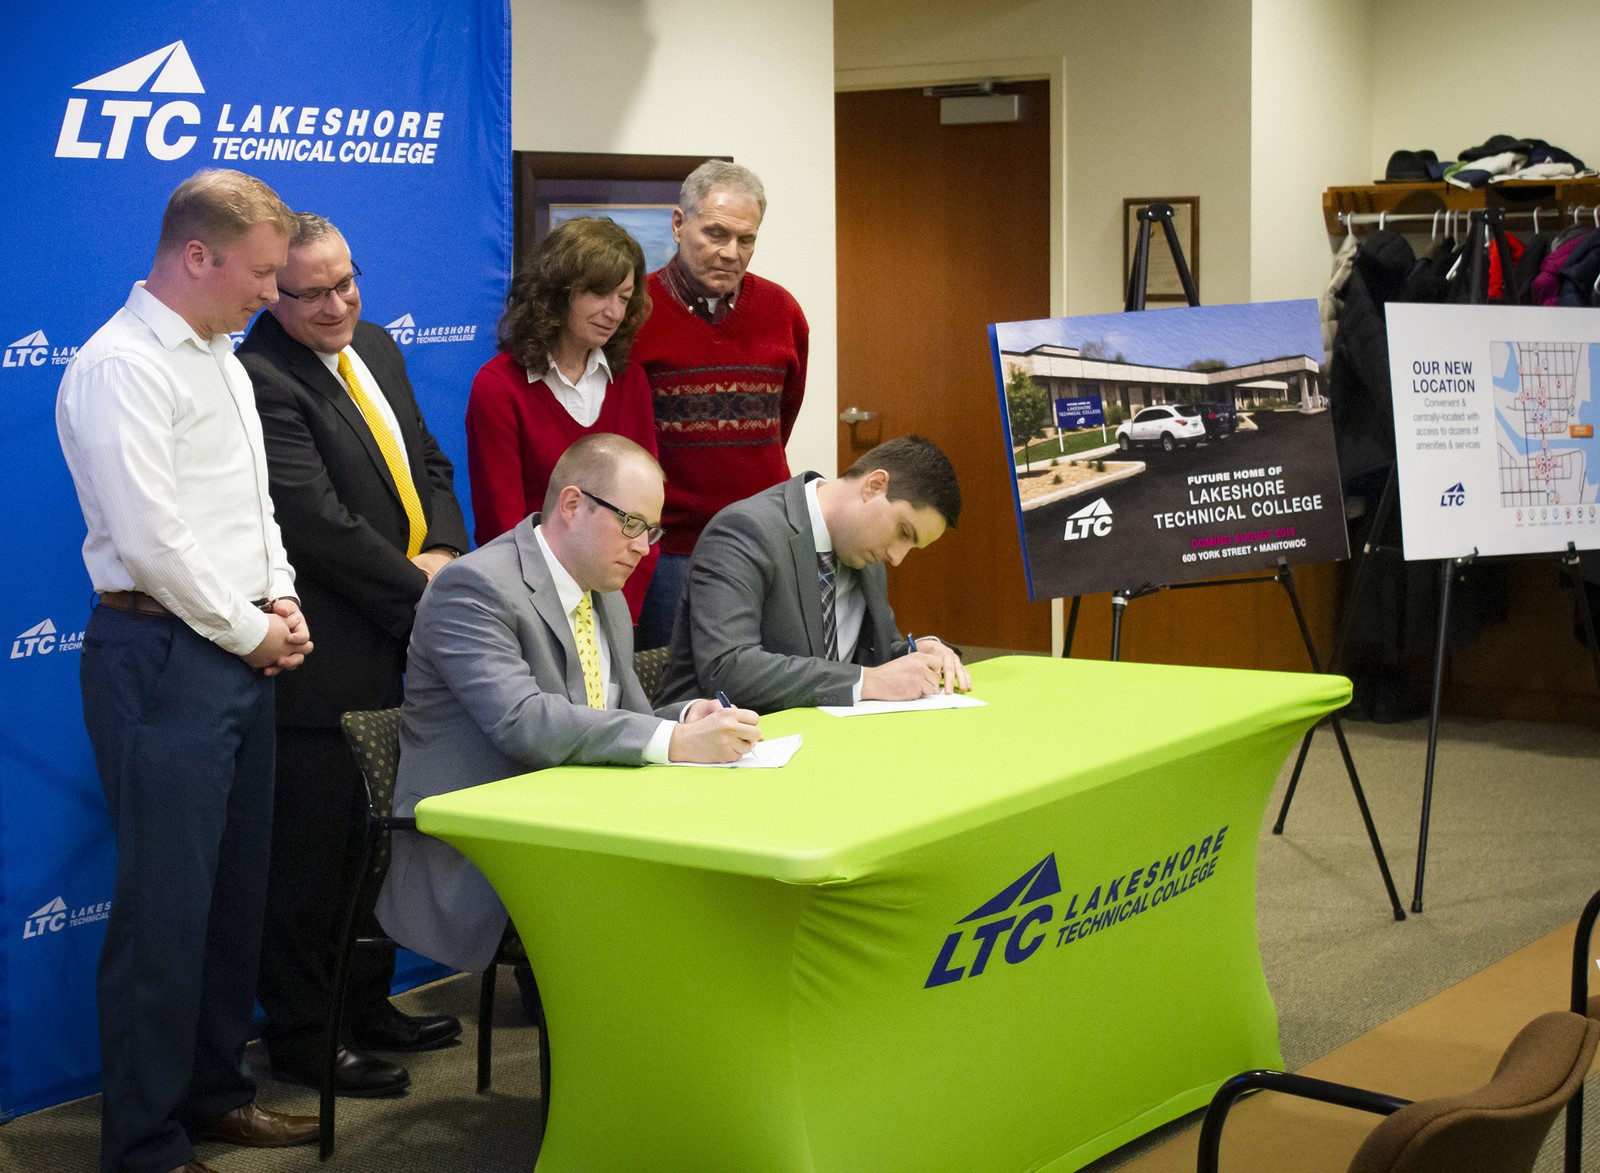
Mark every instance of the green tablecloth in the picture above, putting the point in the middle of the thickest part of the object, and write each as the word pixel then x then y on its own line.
pixel 1004 938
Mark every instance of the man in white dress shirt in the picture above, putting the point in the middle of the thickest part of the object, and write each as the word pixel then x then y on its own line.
pixel 196 612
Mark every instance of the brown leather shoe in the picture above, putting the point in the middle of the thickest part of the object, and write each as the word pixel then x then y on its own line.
pixel 257 1127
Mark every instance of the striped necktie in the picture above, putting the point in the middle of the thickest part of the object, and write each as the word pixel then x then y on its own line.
pixel 391 457
pixel 830 622
pixel 588 652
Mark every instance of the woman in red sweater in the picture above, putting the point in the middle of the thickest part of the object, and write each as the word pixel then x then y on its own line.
pixel 561 374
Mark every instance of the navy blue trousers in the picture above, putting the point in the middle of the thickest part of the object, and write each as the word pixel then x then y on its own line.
pixel 183 737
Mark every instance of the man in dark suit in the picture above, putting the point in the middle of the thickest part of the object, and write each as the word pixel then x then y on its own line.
pixel 365 500
pixel 787 603
pixel 522 658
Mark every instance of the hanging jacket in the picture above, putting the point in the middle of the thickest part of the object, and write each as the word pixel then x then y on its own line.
pixel 1578 275
pixel 1358 378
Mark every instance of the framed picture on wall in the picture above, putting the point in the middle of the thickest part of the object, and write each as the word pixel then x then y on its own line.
pixel 1162 283
pixel 637 191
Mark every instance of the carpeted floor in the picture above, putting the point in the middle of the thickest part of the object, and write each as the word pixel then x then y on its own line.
pixel 1512 857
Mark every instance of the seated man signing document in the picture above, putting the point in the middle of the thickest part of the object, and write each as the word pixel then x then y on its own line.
pixel 787 603
pixel 521 658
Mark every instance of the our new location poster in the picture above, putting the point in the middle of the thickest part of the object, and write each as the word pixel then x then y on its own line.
pixel 1215 454
pixel 1494 426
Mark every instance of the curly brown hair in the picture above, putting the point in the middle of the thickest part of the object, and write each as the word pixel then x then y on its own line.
pixel 591 254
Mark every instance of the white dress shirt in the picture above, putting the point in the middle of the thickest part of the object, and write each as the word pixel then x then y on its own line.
pixel 159 428
pixel 584 398
pixel 849 603
pixel 571 594
pixel 369 384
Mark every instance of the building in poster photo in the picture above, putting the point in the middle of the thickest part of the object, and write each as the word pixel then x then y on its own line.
pixel 1165 446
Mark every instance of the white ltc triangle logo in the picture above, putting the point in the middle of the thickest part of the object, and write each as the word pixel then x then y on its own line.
pixel 1090 521
pixel 177 74
pixel 45 627
pixel 402 322
pixel 37 338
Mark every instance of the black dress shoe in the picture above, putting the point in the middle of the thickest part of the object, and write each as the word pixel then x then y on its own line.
pixel 354 1074
pixel 389 1030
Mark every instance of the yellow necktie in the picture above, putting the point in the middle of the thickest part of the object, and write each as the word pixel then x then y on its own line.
pixel 588 653
pixel 391 457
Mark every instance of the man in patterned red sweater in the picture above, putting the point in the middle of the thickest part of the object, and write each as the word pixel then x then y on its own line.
pixel 725 354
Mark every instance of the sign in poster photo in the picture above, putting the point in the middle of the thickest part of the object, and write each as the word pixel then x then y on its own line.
pixel 1494 426
pixel 1164 446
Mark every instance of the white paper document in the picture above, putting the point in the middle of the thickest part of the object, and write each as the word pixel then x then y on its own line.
pixel 955 700
pixel 767 755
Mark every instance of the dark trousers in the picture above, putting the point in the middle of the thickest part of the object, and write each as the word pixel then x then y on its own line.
pixel 316 822
pixel 661 597
pixel 182 736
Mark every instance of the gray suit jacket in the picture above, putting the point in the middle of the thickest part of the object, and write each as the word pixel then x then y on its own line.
pixel 493 690
pixel 750 620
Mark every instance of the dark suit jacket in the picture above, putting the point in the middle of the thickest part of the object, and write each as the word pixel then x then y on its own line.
pixel 750 619
pixel 343 525
pixel 495 690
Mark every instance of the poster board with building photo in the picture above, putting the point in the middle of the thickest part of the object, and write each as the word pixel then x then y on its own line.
pixel 1216 455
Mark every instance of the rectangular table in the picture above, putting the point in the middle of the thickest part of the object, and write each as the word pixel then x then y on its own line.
pixel 1004 938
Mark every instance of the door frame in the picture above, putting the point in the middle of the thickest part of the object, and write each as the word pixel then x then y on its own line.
pixel 1050 69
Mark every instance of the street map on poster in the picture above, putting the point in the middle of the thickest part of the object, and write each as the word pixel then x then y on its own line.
pixel 1494 424
pixel 1216 455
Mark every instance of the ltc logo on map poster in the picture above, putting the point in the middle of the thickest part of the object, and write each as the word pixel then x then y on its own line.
pixel 1154 448
pixel 1494 421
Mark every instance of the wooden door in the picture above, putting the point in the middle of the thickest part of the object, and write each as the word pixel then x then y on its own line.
pixel 941 231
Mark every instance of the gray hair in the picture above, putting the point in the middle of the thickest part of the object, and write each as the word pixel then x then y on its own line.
pixel 310 227
pixel 714 173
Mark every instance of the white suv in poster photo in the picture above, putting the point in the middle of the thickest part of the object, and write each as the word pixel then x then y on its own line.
pixel 1169 425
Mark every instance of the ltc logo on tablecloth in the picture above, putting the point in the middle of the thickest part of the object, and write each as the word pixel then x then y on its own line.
pixel 1019 915
pixel 1035 884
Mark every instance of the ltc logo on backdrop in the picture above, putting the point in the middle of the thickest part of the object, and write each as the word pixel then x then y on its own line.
pixel 1038 882
pixel 31 350
pixel 42 639
pixel 34 350
pixel 405 331
pixel 1456 494
pixel 114 120
pixel 55 916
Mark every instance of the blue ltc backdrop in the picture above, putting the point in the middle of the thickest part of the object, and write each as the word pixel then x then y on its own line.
pixel 391 120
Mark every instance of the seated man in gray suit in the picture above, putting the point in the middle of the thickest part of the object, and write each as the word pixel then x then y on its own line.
pixel 521 658
pixel 787 602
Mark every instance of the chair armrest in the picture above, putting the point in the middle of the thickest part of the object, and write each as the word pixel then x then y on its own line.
pixel 1281 1081
pixel 1580 955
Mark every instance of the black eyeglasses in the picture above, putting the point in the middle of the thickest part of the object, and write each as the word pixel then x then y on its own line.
pixel 309 297
pixel 632 524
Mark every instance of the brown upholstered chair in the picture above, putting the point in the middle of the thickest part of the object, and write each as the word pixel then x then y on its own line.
pixel 1582 1003
pixel 1497 1128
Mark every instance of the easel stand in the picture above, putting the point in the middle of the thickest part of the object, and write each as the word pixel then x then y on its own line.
pixel 1487 225
pixel 1137 280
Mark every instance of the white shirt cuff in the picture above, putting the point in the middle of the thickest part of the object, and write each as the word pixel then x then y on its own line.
pixel 655 750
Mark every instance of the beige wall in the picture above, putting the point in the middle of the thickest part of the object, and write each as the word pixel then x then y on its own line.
pixel 747 78
pixel 1311 128
pixel 1447 74
pixel 1157 96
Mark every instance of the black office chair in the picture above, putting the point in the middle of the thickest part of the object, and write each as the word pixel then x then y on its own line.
pixel 1498 1126
pixel 1582 1003
pixel 374 738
